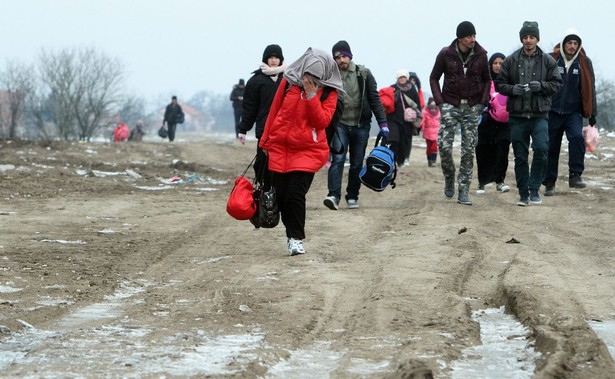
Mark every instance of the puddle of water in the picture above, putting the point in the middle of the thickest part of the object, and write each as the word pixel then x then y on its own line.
pixel 504 352
pixel 319 361
pixel 606 332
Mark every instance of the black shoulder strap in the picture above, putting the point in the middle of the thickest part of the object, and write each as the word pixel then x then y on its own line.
pixel 325 93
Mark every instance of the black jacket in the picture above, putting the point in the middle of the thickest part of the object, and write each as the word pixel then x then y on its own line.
pixel 257 98
pixel 171 113
pixel 544 70
pixel 236 93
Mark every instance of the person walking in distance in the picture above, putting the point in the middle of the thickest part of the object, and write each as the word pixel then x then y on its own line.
pixel 257 97
pixel 400 129
pixel 575 101
pixel 462 98
pixel 529 77
pixel 237 100
pixel 361 99
pixel 171 114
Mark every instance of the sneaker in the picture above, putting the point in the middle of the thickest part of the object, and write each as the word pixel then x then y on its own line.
pixel 481 190
pixel 575 181
pixel 502 187
pixel 449 187
pixel 406 163
pixel 524 201
pixel 549 189
pixel 463 198
pixel 295 247
pixel 331 203
pixel 535 197
pixel 352 203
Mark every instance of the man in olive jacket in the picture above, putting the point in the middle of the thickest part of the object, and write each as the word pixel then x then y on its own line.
pixel 529 78
pixel 462 99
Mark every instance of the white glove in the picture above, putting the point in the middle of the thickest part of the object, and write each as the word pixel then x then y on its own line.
pixel 242 138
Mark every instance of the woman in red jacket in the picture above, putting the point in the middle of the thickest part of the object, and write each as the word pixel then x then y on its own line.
pixel 294 137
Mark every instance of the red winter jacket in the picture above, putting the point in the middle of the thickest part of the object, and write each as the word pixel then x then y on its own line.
pixel 294 135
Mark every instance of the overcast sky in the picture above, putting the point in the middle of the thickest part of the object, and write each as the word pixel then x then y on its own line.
pixel 185 46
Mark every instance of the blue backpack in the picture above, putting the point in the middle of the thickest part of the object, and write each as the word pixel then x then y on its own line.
pixel 379 169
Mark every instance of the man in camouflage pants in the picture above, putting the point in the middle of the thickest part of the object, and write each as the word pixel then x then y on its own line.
pixel 462 99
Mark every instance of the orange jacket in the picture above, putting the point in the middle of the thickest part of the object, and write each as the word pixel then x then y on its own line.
pixel 294 134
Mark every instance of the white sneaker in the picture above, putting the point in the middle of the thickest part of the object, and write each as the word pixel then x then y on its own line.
pixel 481 190
pixel 352 203
pixel 295 247
pixel 330 202
pixel 502 187
pixel 406 163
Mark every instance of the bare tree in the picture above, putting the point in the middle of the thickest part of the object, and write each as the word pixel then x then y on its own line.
pixel 18 81
pixel 86 87
pixel 605 97
pixel 131 110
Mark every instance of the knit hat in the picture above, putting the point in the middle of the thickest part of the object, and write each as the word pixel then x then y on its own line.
pixel 341 48
pixel 529 28
pixel 465 28
pixel 571 37
pixel 242 82
pixel 402 72
pixel 273 51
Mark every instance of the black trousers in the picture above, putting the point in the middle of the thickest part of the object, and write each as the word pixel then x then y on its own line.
pixel 291 188
pixel 237 114
pixel 171 130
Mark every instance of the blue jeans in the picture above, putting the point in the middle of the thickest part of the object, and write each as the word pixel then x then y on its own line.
pixel 572 124
pixel 355 142
pixel 522 129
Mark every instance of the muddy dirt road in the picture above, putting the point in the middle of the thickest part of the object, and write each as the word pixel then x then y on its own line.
pixel 109 268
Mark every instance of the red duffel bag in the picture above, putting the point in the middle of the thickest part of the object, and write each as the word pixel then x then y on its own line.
pixel 240 204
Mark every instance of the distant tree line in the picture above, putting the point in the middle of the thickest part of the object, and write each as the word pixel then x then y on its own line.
pixel 78 93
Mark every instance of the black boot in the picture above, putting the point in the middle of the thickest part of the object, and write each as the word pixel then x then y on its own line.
pixel 550 189
pixel 575 181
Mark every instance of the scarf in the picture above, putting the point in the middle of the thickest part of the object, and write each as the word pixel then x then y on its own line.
pixel 319 64
pixel 272 72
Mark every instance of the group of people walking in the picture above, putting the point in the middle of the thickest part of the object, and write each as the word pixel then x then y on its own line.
pixel 546 95
pixel 528 99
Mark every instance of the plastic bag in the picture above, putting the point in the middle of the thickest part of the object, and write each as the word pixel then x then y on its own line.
pixel 590 134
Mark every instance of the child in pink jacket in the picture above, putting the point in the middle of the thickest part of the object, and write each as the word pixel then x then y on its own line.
pixel 430 125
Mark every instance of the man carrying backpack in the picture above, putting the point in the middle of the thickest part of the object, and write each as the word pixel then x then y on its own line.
pixel 360 101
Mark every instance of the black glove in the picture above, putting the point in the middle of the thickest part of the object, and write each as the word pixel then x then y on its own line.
pixel 535 86
pixel 592 120
pixel 518 89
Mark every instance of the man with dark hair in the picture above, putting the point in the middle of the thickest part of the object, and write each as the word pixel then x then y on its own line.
pixel 361 99
pixel 529 78
pixel 237 99
pixel 462 99
pixel 171 116
pixel 575 101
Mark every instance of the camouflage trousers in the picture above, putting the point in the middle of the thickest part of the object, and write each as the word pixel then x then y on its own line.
pixel 466 119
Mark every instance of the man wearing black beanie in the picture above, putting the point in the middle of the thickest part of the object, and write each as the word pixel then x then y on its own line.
pixel 461 99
